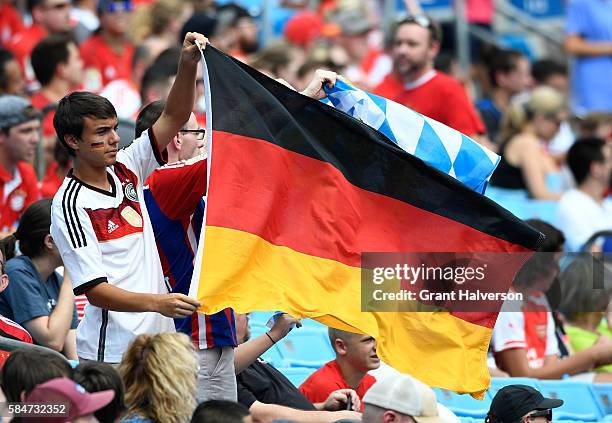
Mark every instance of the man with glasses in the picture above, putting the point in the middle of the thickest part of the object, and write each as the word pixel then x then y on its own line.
pixel 174 198
pixel 521 403
pixel 48 17
pixel 414 44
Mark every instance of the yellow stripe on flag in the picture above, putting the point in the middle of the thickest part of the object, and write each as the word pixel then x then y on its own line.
pixel 246 272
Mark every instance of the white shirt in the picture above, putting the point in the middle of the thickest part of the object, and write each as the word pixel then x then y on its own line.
pixel 579 216
pixel 107 237
pixel 533 329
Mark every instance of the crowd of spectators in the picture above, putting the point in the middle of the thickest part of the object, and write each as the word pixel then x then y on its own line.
pixel 550 123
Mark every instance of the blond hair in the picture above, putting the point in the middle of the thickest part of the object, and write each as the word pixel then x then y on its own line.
pixel 542 101
pixel 159 373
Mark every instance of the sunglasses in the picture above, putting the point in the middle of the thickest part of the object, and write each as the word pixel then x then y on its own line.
pixel 120 6
pixel 199 133
pixel 547 414
pixel 420 20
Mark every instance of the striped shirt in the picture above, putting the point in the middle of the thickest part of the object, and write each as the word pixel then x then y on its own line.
pixel 174 199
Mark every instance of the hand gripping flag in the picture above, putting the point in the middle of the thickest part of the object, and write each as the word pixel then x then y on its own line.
pixel 436 144
pixel 298 191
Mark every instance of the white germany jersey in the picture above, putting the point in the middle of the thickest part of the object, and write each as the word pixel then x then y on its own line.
pixel 106 236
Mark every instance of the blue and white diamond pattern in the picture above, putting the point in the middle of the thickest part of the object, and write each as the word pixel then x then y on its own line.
pixel 436 144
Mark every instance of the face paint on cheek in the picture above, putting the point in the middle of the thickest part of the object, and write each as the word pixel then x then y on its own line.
pixel 97 144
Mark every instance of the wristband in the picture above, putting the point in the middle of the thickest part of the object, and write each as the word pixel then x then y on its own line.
pixel 269 337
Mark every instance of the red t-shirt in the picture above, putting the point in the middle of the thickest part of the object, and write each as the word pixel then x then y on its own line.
pixel 328 379
pixel 103 65
pixel 39 101
pixel 17 192
pixel 10 22
pixel 441 98
pixel 51 181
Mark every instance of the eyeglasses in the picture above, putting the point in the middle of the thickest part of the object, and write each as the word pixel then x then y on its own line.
pixel 547 414
pixel 199 133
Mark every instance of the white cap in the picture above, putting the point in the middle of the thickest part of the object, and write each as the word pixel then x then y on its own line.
pixel 408 396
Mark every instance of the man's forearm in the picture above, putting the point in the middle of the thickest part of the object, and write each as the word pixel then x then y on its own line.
pixel 269 412
pixel 247 353
pixel 182 94
pixel 109 297
pixel 577 46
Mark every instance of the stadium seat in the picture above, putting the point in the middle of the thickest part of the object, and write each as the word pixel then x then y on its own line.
pixel 297 375
pixel 464 405
pixel 579 400
pixel 499 382
pixel 603 394
pixel 306 347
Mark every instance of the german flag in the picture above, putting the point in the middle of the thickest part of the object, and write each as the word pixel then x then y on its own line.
pixel 299 190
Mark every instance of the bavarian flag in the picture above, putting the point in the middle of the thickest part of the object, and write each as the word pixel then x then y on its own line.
pixel 299 190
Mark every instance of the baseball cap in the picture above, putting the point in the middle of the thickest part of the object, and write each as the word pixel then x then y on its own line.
pixel 409 396
pixel 16 110
pixel 78 401
pixel 352 22
pixel 303 28
pixel 114 6
pixel 512 402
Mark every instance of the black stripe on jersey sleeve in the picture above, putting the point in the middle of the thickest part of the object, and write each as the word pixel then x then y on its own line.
pixel 81 232
pixel 67 218
pixel 83 288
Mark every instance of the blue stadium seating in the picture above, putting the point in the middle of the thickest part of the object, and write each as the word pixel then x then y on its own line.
pixel 306 347
pixel 499 382
pixel 297 375
pixel 464 405
pixel 579 400
pixel 603 395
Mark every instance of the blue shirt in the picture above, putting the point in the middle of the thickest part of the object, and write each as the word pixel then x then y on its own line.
pixel 590 86
pixel 26 296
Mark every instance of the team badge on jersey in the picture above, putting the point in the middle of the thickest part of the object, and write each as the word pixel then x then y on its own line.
pixel 17 200
pixel 130 192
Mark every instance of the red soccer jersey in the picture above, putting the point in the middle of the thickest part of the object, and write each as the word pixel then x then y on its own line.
pixel 10 22
pixel 328 379
pixel 441 98
pixel 51 182
pixel 103 65
pixel 12 330
pixel 18 192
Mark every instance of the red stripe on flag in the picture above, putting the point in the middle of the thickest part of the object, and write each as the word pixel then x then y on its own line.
pixel 314 210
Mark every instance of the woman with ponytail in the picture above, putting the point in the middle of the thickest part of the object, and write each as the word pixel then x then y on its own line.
pixel 37 298
pixel 527 128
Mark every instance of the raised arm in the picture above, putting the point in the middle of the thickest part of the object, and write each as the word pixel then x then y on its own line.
pixel 182 94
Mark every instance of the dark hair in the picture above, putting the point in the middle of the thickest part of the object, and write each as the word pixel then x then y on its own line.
pixel 435 30
pixel 156 75
pixel 31 4
pixel 503 61
pixel 148 116
pixel 218 411
pixel 543 69
pixel 541 262
pixel 48 54
pixel 28 367
pixel 7 247
pixel 34 226
pixel 582 154
pixel 96 377
pixel 72 110
pixel 5 57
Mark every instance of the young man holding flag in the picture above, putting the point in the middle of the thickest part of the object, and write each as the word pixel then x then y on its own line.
pixel 101 228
